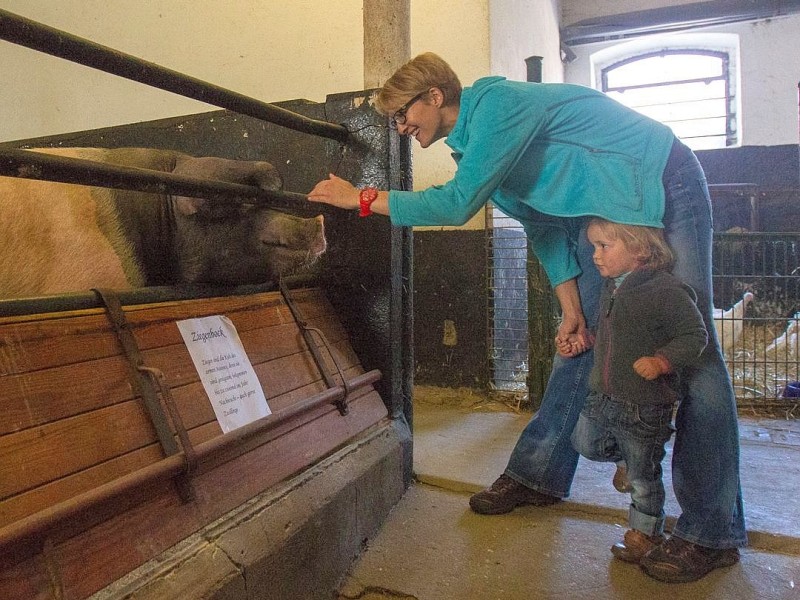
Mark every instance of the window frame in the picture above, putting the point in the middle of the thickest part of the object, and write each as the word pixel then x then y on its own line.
pixel 722 46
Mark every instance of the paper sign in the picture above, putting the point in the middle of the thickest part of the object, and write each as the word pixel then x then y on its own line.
pixel 226 372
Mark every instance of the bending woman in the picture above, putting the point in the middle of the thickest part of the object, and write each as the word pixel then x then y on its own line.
pixel 551 155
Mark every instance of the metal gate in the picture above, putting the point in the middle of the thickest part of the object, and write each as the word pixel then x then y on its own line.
pixel 757 294
pixel 507 304
pixel 522 313
pixel 756 280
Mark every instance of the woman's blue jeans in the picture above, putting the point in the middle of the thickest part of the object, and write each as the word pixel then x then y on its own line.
pixel 705 459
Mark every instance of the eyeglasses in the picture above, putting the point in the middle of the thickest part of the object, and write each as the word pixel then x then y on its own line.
pixel 399 116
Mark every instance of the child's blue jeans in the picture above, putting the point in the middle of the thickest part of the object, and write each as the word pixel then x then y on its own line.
pixel 612 430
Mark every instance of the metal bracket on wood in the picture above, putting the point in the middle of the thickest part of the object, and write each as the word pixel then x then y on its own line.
pixel 307 330
pixel 143 378
pixel 52 568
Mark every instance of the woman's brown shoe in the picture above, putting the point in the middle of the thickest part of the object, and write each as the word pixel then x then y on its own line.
pixel 679 561
pixel 505 494
pixel 635 545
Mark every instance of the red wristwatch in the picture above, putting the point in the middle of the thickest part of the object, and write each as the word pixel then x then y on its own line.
pixel 365 199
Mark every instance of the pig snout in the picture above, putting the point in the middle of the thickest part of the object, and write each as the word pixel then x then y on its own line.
pixel 318 243
pixel 293 241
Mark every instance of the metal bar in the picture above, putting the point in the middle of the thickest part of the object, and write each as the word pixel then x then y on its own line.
pixel 24 32
pixel 149 295
pixel 674 18
pixel 38 165
pixel 43 522
pixel 314 349
pixel 309 339
pixel 141 384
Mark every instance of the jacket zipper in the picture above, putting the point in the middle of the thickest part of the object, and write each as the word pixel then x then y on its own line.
pixel 607 359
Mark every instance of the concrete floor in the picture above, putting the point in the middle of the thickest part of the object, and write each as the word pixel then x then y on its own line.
pixel 432 547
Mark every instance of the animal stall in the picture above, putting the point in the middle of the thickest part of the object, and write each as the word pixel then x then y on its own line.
pixel 116 476
pixel 757 291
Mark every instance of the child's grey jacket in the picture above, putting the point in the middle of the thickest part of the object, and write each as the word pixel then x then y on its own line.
pixel 653 313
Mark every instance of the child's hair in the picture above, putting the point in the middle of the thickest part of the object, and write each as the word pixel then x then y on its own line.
pixel 647 244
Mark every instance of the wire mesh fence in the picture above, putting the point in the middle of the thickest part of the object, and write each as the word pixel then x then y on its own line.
pixel 756 279
pixel 757 294
pixel 507 309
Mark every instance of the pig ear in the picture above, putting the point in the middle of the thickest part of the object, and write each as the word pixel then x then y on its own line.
pixel 246 172
pixel 266 176
pixel 189 206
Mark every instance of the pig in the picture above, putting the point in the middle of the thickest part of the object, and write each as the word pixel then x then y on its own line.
pixel 57 238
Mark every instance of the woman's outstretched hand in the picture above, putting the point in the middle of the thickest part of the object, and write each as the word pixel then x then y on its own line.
pixel 336 192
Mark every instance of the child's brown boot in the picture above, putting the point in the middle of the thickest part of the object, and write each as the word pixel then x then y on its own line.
pixel 621 482
pixel 635 545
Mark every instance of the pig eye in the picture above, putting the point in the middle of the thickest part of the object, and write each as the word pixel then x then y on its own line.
pixel 222 211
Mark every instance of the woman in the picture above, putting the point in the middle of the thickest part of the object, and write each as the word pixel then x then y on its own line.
pixel 550 155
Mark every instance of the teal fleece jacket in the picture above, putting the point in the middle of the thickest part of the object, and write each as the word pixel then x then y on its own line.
pixel 545 154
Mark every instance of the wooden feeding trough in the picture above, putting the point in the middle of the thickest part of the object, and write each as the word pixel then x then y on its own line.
pixel 84 472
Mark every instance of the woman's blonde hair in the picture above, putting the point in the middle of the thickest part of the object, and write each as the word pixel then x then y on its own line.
pixel 647 244
pixel 416 76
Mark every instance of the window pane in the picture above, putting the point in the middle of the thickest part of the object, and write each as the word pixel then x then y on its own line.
pixel 698 127
pixel 683 103
pixel 658 69
pixel 670 94
pixel 709 143
pixel 665 87
pixel 701 109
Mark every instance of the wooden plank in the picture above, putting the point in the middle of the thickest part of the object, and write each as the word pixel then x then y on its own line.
pixel 28 580
pixel 201 425
pixel 17 507
pixel 92 560
pixel 39 397
pixel 32 345
pixel 98 556
pixel 36 456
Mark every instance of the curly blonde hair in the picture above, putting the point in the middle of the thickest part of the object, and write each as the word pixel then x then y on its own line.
pixel 647 244
pixel 416 76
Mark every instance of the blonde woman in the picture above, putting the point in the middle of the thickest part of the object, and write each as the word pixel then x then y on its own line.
pixel 550 155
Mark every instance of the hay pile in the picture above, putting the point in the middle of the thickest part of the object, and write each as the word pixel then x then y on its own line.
pixel 760 376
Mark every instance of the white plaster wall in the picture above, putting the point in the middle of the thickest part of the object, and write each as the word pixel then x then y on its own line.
pixel 458 31
pixel 479 38
pixel 271 51
pixel 769 68
pixel 523 28
pixel 770 72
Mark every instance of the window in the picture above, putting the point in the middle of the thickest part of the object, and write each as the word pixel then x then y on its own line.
pixel 690 89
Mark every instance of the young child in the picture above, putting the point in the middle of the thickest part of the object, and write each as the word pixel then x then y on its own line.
pixel 649 328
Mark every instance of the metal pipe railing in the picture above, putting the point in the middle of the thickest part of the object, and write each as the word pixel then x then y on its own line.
pixel 147 295
pixel 38 165
pixel 24 32
pixel 40 524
